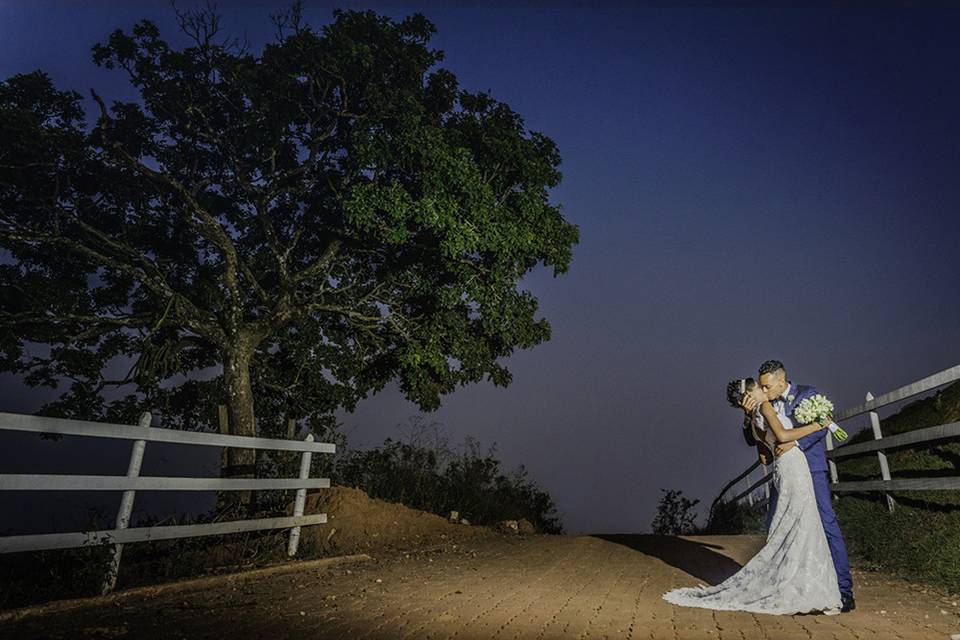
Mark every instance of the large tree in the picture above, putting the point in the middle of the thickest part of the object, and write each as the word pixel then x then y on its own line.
pixel 318 220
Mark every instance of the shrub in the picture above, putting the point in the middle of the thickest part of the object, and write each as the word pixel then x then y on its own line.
pixel 729 518
pixel 425 473
pixel 675 514
pixel 919 540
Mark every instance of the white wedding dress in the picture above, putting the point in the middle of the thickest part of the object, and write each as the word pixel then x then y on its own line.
pixel 793 572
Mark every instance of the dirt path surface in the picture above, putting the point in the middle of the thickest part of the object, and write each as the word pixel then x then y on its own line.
pixel 537 587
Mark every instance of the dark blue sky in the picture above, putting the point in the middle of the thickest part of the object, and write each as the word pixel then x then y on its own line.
pixel 749 183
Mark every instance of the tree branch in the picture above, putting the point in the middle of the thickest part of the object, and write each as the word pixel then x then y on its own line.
pixel 318 266
pixel 192 317
pixel 206 224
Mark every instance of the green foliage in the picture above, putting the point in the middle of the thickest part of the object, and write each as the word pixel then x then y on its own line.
pixel 28 578
pixel 423 472
pixel 920 539
pixel 737 517
pixel 330 215
pixel 427 474
pixel 675 515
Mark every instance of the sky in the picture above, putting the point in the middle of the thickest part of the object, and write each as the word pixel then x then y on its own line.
pixel 750 183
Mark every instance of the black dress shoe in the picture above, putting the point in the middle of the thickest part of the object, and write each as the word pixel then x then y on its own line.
pixel 847 602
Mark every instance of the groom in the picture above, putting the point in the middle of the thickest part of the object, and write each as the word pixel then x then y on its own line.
pixel 785 396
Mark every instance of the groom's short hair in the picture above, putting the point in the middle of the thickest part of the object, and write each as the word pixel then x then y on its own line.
pixel 771 366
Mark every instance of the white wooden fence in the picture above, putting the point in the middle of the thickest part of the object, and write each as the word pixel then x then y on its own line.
pixel 744 488
pixel 129 484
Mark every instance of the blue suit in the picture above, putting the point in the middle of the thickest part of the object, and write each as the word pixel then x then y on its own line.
pixel 816 453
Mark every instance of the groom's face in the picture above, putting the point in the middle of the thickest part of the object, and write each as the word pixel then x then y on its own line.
pixel 773 384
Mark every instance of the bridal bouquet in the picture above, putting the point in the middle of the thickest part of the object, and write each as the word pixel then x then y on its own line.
pixel 818 408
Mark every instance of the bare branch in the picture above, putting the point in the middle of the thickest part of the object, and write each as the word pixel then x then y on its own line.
pixel 200 25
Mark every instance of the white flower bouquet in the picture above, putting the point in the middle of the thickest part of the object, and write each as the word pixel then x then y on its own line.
pixel 818 408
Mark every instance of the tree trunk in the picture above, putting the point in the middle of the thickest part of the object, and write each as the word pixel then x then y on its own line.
pixel 241 463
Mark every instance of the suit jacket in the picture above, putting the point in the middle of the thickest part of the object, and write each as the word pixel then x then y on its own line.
pixel 813 445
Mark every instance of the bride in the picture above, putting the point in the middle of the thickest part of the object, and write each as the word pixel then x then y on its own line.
pixel 793 572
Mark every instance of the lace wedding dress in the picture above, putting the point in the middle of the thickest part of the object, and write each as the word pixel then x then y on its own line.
pixel 793 572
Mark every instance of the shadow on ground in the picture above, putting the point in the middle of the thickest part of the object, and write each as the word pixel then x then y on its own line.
pixel 695 558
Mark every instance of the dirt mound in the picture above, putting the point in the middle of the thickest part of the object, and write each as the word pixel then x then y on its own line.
pixel 357 522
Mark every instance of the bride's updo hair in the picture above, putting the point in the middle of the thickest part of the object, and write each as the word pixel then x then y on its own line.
pixel 736 389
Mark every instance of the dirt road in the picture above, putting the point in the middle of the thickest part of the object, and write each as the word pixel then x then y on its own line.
pixel 537 587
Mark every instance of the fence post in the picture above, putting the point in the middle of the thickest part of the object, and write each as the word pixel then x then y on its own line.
pixel 884 467
pixel 126 506
pixel 834 478
pixel 223 424
pixel 301 499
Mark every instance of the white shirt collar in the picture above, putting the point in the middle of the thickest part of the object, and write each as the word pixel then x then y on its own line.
pixel 786 392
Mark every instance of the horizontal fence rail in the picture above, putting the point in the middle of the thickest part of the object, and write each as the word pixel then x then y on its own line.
pixel 48 482
pixel 60 426
pixel 920 436
pixel 915 388
pixel 880 444
pixel 756 485
pixel 48 541
pixel 132 482
pixel 899 484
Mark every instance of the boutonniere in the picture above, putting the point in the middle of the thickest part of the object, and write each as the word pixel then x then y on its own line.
pixel 790 398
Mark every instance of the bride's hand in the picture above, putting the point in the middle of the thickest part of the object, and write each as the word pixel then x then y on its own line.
pixel 755 398
pixel 783 447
